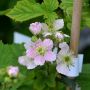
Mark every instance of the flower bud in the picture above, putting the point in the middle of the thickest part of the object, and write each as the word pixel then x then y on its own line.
pixel 34 39
pixel 13 71
pixel 35 28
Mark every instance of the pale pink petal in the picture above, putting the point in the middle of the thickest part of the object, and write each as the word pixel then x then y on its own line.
pixel 48 43
pixel 22 60
pixel 62 68
pixel 58 24
pixel 26 61
pixel 35 28
pixel 39 60
pixel 64 47
pixel 31 53
pixel 50 56
pixel 30 64
pixel 37 43
pixel 59 35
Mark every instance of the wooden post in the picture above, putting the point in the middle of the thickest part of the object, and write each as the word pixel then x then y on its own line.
pixel 75 29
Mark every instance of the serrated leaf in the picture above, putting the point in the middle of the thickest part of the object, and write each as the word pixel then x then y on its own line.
pixel 25 10
pixel 50 5
pixel 66 4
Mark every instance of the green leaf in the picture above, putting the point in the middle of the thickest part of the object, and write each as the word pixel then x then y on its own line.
pixel 4 12
pixel 9 54
pixel 39 84
pixel 84 78
pixel 50 17
pixel 85 20
pixel 50 5
pixel 51 81
pixel 25 10
pixel 29 9
pixel 65 4
pixel 60 86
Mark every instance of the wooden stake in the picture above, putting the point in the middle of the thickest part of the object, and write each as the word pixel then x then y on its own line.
pixel 75 30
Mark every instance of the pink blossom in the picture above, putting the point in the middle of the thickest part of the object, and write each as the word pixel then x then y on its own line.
pixel 35 28
pixel 41 52
pixel 13 71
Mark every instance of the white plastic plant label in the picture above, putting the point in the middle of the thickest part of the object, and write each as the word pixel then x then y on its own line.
pixel 80 57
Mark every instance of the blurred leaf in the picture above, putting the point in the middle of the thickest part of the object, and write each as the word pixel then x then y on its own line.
pixel 29 9
pixel 84 78
pixel 25 10
pixel 50 17
pixel 9 54
pixel 4 12
pixel 24 87
pixel 65 4
pixel 39 84
pixel 60 86
pixel 51 81
pixel 50 5
pixel 85 21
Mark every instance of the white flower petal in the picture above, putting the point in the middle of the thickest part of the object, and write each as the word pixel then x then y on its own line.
pixel 39 60
pixel 62 68
pixel 45 34
pixel 50 56
pixel 44 27
pixel 65 35
pixel 26 61
pixel 58 24
pixel 64 46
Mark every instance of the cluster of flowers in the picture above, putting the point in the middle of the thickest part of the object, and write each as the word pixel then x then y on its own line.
pixel 47 45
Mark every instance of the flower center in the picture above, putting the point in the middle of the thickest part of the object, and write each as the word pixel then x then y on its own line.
pixel 41 50
pixel 67 58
